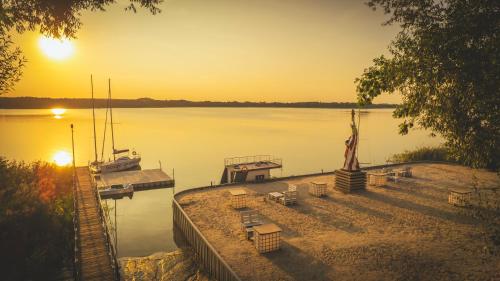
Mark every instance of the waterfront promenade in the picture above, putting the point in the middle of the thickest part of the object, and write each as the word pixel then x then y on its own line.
pixel 405 230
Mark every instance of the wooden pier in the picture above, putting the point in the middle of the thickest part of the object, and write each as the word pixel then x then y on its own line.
pixel 95 258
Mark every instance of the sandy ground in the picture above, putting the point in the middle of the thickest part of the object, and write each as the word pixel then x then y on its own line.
pixel 403 231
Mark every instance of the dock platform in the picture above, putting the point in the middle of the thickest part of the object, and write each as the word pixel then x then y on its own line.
pixel 141 179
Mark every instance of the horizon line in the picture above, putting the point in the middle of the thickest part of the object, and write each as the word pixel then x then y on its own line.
pixel 193 101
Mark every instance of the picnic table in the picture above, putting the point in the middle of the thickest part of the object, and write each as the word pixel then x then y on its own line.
pixel 275 196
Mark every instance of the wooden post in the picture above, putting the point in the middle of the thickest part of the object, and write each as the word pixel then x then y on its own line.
pixel 73 149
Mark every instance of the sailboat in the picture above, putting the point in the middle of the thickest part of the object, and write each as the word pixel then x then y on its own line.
pixel 122 161
pixel 94 165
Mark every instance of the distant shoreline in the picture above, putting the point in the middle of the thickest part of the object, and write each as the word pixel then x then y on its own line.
pixel 83 103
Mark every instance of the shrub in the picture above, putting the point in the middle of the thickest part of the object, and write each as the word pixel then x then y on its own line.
pixel 36 229
pixel 421 154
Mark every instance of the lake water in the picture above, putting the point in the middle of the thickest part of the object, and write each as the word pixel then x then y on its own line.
pixel 194 142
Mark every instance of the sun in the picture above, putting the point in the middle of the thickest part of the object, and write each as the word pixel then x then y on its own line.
pixel 57 49
pixel 62 158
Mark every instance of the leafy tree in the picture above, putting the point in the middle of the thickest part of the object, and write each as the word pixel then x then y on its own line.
pixel 445 64
pixel 11 62
pixel 55 18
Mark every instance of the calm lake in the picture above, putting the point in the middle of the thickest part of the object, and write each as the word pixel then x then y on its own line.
pixel 194 142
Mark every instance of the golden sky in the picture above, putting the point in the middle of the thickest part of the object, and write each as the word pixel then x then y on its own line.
pixel 255 50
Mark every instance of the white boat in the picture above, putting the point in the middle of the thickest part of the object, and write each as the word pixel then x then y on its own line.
pixel 119 190
pixel 95 167
pixel 120 162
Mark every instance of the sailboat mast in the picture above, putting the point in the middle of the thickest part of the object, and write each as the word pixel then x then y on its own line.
pixel 93 118
pixel 105 129
pixel 111 116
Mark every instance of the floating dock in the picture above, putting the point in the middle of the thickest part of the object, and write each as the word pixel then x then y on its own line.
pixel 249 168
pixel 141 179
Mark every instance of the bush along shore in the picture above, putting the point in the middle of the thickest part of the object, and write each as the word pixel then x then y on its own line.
pixel 426 153
pixel 36 228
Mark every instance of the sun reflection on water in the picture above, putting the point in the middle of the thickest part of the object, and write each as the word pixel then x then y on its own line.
pixel 58 112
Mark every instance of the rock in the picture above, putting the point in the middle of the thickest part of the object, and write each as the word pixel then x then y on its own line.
pixel 172 266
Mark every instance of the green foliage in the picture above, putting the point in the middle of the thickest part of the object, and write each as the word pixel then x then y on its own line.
pixel 445 64
pixel 421 154
pixel 55 18
pixel 36 221
pixel 11 63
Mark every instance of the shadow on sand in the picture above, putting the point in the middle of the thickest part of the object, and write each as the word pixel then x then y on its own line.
pixel 414 207
pixel 327 218
pixel 287 231
pixel 293 261
pixel 418 191
pixel 358 208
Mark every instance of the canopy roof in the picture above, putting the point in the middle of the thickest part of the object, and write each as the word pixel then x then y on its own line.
pixel 118 151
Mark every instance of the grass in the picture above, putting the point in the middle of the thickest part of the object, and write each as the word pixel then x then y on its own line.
pixel 428 153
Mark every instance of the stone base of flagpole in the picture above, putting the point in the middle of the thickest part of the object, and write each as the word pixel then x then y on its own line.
pixel 349 181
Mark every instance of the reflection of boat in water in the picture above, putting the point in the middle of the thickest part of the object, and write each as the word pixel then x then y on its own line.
pixel 117 191
pixel 122 161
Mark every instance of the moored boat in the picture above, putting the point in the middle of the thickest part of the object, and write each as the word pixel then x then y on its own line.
pixel 122 161
pixel 117 190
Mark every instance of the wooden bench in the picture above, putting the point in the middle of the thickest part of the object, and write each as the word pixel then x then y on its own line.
pixel 289 198
pixel 274 196
pixel 404 172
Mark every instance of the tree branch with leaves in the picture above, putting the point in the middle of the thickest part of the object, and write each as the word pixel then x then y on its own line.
pixel 55 18
pixel 445 65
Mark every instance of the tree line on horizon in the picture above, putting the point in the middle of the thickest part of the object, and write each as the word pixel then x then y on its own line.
pixel 40 103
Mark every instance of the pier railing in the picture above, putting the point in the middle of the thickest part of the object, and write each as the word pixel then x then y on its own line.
pixel 251 159
pixel 76 226
pixel 110 243
pixel 213 264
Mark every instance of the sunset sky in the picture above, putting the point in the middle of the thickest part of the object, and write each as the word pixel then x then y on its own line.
pixel 257 50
